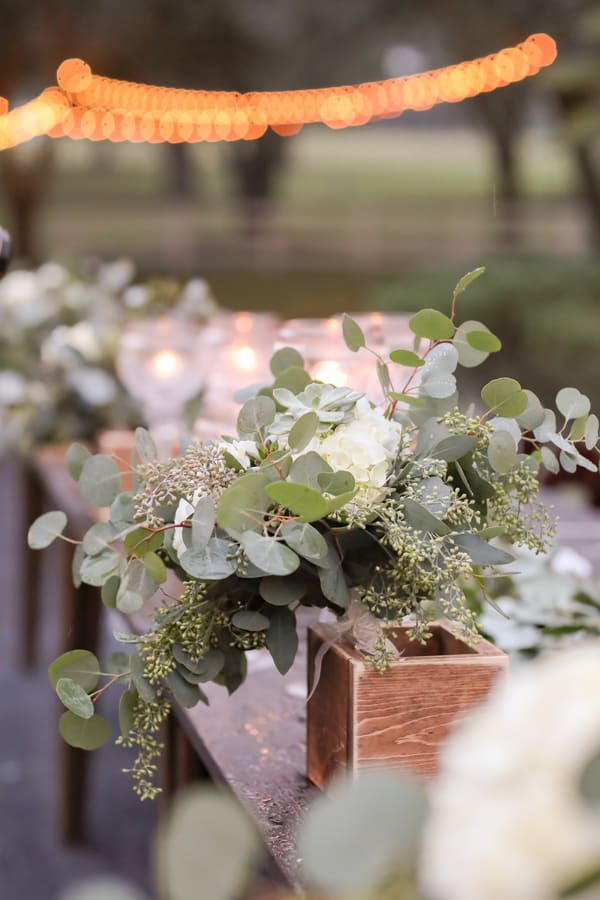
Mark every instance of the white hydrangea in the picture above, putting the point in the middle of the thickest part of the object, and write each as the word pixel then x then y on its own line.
pixel 507 821
pixel 365 447
pixel 244 452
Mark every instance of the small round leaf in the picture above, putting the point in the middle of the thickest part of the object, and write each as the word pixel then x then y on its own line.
pixel 46 529
pixel 86 734
pixel 432 324
pixel 73 696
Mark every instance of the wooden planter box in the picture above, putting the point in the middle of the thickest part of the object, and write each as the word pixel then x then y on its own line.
pixel 359 719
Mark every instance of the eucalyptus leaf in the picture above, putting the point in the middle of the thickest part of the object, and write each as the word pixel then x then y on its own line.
pixel 307 469
pixel 217 867
pixel 549 460
pixel 336 483
pixel 482 553
pixel 142 685
pixel 206 668
pixel 127 705
pixel 591 432
pixel 301 500
pixel 203 522
pixel 505 397
pixel 304 539
pixel 145 446
pixel 484 341
pixel 534 414
pixel 282 591
pixel 243 504
pixel 79 665
pixel 293 379
pixel 432 324
pixel 453 447
pixel 303 431
pixel 75 698
pixel 109 591
pixel 255 415
pixel 285 358
pixel 502 452
pixel 100 480
pixel 118 663
pixel 189 695
pixel 383 374
pixel 46 529
pixel 269 554
pixel 407 358
pixel 572 403
pixel 363 832
pixel 468 279
pixel 78 557
pixel 439 386
pixel 98 538
pixel 122 510
pixel 96 569
pixel 85 734
pixel 213 563
pixel 353 333
pixel 76 456
pixel 332 579
pixel 282 639
pixel 568 462
pixel 135 582
pixel 250 620
pixel 155 568
pixel 417 516
pixel 468 356
pixel 546 429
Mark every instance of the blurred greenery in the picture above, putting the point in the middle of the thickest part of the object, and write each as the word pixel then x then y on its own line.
pixel 545 311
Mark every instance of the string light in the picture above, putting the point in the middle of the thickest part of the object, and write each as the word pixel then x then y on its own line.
pixel 89 106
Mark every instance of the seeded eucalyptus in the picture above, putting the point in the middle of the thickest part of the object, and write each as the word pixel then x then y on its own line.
pixel 323 498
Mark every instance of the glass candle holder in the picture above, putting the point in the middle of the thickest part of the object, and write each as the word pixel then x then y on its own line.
pixel 162 365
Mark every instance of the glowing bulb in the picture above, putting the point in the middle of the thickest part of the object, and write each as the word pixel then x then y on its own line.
pixel 166 364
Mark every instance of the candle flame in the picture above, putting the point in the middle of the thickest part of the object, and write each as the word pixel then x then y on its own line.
pixel 166 364
pixel 245 359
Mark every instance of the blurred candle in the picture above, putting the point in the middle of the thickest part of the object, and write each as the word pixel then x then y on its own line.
pixel 330 371
pixel 166 364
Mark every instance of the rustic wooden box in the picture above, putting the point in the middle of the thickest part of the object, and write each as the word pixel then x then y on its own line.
pixel 359 719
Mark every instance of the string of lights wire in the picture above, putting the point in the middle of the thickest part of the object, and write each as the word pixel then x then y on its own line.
pixel 85 105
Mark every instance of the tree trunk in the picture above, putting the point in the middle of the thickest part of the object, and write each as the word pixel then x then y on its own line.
pixel 256 166
pixel 25 184
pixel 180 172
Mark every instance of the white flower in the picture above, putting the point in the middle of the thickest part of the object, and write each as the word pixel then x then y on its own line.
pixel 365 447
pixel 567 561
pixel 184 511
pixel 507 821
pixel 245 452
pixel 13 388
pixel 136 296
pixel 18 288
pixel 95 386
pixel 114 276
pixel 66 343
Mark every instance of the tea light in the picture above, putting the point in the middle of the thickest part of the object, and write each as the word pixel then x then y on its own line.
pixel 245 359
pixel 166 364
pixel 330 371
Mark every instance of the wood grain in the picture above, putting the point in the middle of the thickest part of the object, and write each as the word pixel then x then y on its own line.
pixel 400 718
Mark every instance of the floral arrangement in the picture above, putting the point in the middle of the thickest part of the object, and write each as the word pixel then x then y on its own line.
pixel 58 343
pixel 513 814
pixel 323 499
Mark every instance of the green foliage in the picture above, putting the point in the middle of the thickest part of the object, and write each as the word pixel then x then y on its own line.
pixel 323 499
pixel 46 529
pixel 86 734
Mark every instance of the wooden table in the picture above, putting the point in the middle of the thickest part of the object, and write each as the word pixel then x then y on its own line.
pixel 253 742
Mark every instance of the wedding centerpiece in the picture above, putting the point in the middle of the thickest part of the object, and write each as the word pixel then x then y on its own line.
pixel 380 513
